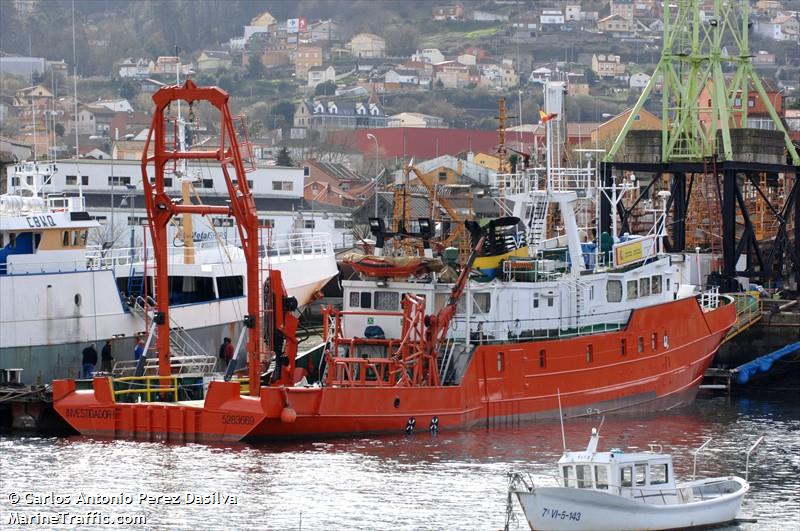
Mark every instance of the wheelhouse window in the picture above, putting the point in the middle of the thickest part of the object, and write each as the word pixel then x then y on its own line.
pixel 366 299
pixel 641 475
pixel 658 474
pixel 481 303
pixel 656 283
pixel 230 287
pixel 355 299
pixel 583 474
pixel 601 477
pixel 644 287
pixel 388 301
pixel 65 239
pixel 633 291
pixel 614 291
pixel 569 476
pixel 626 476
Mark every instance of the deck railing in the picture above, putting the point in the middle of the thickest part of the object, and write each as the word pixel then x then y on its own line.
pixel 181 365
pixel 290 247
pixel 686 493
pixel 147 386
pixel 575 179
pixel 709 299
pixel 500 331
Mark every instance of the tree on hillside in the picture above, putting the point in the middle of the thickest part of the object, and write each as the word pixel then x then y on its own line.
pixel 401 41
pixel 283 158
pixel 255 68
pixel 59 129
pixel 325 89
pixel 255 128
pixel 128 89
pixel 282 112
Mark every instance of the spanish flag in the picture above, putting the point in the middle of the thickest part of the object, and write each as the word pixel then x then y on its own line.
pixel 545 117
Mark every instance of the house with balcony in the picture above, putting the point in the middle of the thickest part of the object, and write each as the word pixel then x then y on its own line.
pixel 608 66
pixel 617 25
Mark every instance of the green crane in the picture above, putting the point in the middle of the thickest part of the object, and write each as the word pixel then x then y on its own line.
pixel 694 50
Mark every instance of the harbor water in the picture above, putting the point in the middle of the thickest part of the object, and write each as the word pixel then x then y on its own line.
pixel 450 480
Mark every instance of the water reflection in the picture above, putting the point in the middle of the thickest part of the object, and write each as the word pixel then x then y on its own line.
pixel 452 480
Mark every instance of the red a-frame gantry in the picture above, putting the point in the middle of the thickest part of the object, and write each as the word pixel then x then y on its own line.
pixel 161 208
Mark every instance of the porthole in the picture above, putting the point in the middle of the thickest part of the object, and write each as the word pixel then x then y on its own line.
pixel 666 341
pixel 397 402
pixel 77 299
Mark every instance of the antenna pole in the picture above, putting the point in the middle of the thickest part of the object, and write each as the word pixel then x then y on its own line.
pixel 561 419
pixel 75 97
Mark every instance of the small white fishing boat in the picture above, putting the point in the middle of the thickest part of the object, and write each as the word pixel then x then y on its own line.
pixel 620 491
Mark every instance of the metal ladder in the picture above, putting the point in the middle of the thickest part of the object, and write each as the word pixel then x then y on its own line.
pixel 578 287
pixel 136 280
pixel 181 342
pixel 537 220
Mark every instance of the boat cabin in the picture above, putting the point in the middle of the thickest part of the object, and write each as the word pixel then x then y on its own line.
pixel 43 235
pixel 634 475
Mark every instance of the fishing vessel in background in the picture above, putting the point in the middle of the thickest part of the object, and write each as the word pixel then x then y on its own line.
pixel 60 293
pixel 607 330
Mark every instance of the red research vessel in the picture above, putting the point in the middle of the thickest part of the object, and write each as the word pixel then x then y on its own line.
pixel 364 382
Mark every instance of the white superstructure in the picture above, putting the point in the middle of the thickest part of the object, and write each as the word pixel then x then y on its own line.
pixel 114 196
pixel 58 293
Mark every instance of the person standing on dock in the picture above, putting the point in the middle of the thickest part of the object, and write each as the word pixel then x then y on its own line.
pixel 226 351
pixel 139 350
pixel 106 357
pixel 89 360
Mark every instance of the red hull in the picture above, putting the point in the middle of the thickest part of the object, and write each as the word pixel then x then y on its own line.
pixel 503 384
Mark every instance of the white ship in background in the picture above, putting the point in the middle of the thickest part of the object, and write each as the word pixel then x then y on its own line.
pixel 113 194
pixel 58 293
